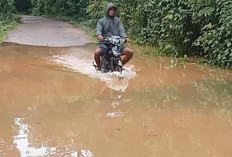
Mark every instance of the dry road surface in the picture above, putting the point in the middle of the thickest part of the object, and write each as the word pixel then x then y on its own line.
pixel 39 31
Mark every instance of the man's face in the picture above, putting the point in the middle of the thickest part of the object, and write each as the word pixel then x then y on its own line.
pixel 112 12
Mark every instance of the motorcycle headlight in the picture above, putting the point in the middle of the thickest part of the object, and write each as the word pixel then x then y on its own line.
pixel 116 41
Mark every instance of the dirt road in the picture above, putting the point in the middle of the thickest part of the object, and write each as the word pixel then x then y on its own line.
pixel 39 31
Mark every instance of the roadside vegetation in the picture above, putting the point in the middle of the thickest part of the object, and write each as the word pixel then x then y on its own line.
pixel 8 18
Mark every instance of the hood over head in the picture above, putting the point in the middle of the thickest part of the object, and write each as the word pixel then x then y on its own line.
pixel 108 7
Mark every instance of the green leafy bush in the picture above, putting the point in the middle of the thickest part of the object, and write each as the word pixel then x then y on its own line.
pixel 216 32
pixel 8 20
pixel 7 6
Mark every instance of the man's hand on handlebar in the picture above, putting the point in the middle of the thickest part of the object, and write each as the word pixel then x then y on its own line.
pixel 128 40
pixel 100 38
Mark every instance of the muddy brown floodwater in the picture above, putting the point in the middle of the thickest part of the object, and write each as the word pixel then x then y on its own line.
pixel 48 109
pixel 53 103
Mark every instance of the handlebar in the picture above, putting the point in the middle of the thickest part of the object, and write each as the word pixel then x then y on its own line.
pixel 106 40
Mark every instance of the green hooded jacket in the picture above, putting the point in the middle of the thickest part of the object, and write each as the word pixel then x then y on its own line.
pixel 110 26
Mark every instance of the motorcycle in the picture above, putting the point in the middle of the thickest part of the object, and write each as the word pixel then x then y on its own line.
pixel 111 61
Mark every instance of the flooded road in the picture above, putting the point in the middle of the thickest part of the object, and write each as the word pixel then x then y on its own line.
pixel 54 103
pixel 52 108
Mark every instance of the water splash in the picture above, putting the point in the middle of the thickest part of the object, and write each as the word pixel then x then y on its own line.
pixel 113 80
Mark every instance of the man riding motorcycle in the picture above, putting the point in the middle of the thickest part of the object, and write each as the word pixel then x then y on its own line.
pixel 108 26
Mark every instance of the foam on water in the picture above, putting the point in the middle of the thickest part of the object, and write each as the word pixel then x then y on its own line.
pixel 85 66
